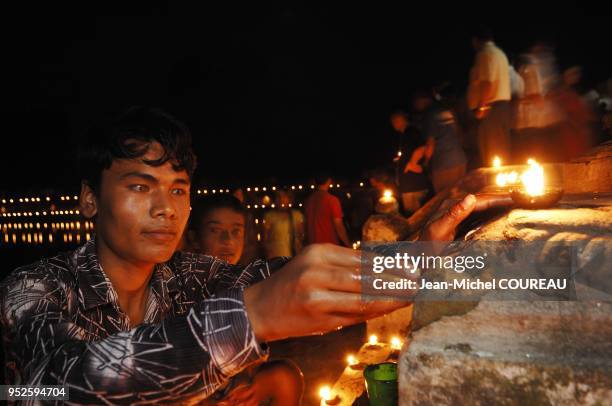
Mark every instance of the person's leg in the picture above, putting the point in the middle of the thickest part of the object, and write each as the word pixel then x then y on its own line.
pixel 494 134
pixel 281 382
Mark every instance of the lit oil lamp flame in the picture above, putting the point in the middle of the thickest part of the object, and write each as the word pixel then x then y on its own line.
pixel 533 179
pixel 387 194
pixel 373 340
pixel 325 393
pixel 351 360
pixel 396 343
pixel 505 178
pixel 496 162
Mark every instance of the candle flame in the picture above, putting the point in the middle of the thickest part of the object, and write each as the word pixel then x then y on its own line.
pixel 504 178
pixel 325 393
pixel 373 340
pixel 351 360
pixel 396 343
pixel 533 178
pixel 387 194
pixel 496 162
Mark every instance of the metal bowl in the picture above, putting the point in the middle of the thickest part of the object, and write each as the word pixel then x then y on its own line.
pixel 548 199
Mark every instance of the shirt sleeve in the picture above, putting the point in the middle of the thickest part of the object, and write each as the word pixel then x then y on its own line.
pixel 214 275
pixel 184 357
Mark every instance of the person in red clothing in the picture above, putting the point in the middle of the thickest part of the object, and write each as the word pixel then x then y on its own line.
pixel 324 216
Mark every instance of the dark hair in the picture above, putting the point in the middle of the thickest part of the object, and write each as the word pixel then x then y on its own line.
pixel 321 178
pixel 422 94
pixel 482 33
pixel 398 112
pixel 203 206
pixel 129 136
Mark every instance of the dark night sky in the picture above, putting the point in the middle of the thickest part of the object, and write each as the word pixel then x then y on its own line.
pixel 267 91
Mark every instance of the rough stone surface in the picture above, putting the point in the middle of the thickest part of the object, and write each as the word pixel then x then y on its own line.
pixel 385 227
pixel 590 173
pixel 525 352
pixel 512 353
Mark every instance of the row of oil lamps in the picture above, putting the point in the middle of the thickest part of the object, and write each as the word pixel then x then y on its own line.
pixel 327 395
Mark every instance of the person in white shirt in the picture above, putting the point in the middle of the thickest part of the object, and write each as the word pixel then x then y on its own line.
pixel 489 97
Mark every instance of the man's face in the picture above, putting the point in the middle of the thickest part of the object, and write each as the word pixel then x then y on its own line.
pixel 142 210
pixel 222 234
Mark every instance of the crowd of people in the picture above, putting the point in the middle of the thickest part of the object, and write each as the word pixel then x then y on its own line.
pixel 513 108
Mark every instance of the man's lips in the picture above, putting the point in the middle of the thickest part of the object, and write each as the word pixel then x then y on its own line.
pixel 161 235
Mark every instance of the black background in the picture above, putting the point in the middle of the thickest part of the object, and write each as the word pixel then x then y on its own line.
pixel 271 92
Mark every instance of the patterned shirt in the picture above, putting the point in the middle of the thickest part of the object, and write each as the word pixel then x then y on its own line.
pixel 62 325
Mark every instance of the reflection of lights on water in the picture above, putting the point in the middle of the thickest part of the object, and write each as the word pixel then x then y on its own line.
pixel 496 162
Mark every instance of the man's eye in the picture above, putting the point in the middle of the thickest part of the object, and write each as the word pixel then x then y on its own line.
pixel 237 233
pixel 179 192
pixel 139 188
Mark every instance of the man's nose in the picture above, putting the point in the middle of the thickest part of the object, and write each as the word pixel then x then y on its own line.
pixel 162 206
pixel 226 237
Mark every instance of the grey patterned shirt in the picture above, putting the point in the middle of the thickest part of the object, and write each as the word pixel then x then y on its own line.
pixel 62 325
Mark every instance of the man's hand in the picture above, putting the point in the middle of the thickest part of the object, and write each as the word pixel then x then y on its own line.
pixel 443 229
pixel 317 291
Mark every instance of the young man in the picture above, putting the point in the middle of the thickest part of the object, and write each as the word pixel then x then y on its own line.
pixel 411 179
pixel 125 319
pixel 488 96
pixel 283 229
pixel 217 228
pixel 324 222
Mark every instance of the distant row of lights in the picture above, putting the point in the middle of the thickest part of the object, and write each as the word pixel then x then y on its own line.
pixel 37 199
pixel 199 191
pixel 272 206
pixel 63 226
pixel 265 189
pixel 38 238
pixel 44 213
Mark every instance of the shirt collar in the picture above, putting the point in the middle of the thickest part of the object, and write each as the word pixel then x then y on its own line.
pixel 95 289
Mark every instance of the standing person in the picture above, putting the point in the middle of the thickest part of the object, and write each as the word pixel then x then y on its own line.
pixel 283 229
pixel 489 97
pixel 447 159
pixel 411 179
pixel 324 217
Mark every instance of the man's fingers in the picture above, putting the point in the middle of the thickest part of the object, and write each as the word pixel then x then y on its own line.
pixel 446 224
pixel 335 255
pixel 341 278
pixel 354 305
pixel 484 202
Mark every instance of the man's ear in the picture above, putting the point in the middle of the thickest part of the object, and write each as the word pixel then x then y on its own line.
pixel 88 202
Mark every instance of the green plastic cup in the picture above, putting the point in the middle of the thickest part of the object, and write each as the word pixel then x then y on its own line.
pixel 381 383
